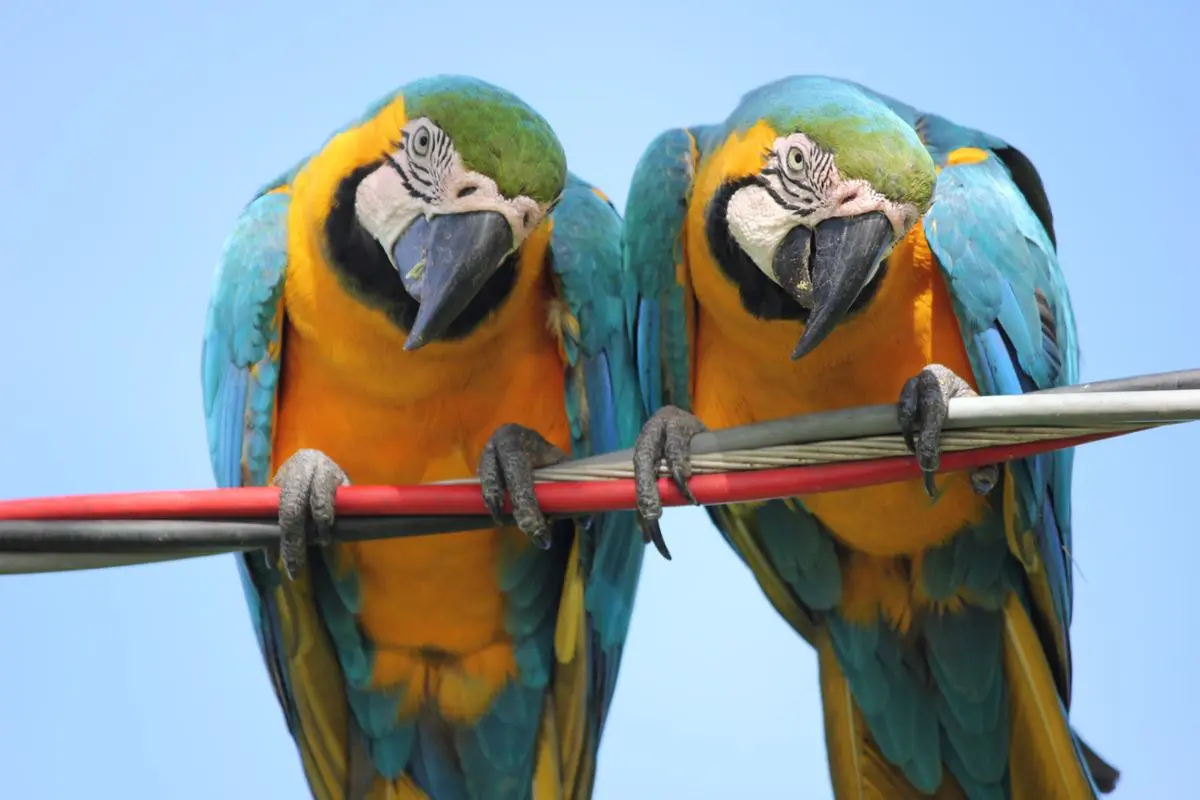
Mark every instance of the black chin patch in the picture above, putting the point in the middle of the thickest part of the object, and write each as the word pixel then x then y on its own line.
pixel 760 296
pixel 362 265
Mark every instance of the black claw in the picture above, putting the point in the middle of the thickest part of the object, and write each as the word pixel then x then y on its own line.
pixel 507 465
pixel 931 488
pixel 922 413
pixel 680 476
pixel 921 424
pixel 666 436
pixel 677 441
pixel 308 484
pixel 908 411
pixel 652 534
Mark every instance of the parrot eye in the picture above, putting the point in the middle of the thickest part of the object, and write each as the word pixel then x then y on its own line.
pixel 420 146
pixel 795 159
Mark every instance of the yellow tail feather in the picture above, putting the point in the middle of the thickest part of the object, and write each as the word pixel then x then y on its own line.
pixel 569 697
pixel 316 681
pixel 1042 760
pixel 402 788
pixel 405 789
pixel 857 769
pixel 547 774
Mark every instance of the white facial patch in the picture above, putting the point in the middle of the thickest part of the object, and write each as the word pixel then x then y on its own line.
pixel 759 224
pixel 384 206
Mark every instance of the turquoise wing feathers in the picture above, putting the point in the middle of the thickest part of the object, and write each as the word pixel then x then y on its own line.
pixel 606 414
pixel 652 249
pixel 240 366
pixel 240 357
pixel 991 231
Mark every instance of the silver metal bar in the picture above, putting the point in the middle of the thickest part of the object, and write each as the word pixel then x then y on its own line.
pixel 1059 409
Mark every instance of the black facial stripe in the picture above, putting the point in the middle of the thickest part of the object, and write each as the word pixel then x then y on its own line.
pixel 787 202
pixel 798 184
pixel 419 190
pixel 365 270
pixel 409 186
pixel 822 170
pixel 787 179
pixel 420 171
pixel 443 152
pixel 794 186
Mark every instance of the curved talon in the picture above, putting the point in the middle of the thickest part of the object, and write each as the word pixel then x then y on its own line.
pixel 308 484
pixel 667 436
pixel 507 463
pixel 922 412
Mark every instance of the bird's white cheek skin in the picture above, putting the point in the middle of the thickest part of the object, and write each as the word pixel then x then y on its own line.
pixel 758 224
pixel 384 207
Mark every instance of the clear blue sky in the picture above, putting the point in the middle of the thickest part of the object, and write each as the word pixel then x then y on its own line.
pixel 131 134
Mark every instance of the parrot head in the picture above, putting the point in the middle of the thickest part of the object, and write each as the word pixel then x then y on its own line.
pixel 841 181
pixel 468 172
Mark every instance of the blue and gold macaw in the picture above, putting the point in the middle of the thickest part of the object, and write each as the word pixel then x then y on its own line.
pixel 890 253
pixel 411 302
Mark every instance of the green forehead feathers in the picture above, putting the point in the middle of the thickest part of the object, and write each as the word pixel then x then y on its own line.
pixel 868 140
pixel 494 132
pixel 883 158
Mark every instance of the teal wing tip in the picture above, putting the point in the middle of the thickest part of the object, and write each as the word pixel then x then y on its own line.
pixel 1104 775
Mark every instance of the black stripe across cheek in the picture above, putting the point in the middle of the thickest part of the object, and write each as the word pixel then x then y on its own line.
pixel 412 188
pixel 419 169
pixel 362 266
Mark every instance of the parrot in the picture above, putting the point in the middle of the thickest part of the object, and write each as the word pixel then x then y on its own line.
pixel 431 295
pixel 827 247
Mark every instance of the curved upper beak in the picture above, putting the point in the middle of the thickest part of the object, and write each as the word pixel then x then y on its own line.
pixel 839 257
pixel 444 263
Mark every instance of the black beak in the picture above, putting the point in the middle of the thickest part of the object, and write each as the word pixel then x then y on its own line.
pixel 843 254
pixel 461 252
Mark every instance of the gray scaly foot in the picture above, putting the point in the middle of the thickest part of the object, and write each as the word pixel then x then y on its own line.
pixel 507 463
pixel 308 483
pixel 667 436
pixel 924 406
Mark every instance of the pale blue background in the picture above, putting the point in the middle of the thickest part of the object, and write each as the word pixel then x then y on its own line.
pixel 131 134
